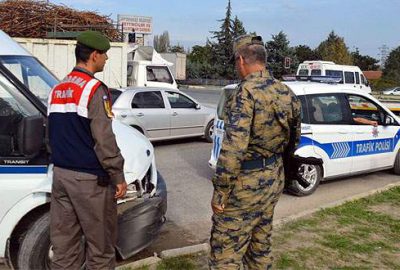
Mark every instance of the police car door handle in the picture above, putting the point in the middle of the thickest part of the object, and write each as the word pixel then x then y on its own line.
pixel 343 131
pixel 140 114
pixel 174 114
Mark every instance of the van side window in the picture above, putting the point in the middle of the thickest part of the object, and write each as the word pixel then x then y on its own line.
pixel 357 78
pixel 334 73
pixel 362 79
pixel 326 109
pixel 349 77
pixel 315 72
pixel 158 74
pixel 363 108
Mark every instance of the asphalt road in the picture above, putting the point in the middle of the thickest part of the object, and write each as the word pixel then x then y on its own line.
pixel 184 165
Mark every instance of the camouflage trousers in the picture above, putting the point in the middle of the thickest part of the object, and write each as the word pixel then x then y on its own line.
pixel 241 235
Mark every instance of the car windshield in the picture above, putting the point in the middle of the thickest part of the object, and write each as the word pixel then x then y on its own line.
pixel 29 71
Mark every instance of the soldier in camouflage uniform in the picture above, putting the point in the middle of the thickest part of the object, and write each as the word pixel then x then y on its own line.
pixel 261 117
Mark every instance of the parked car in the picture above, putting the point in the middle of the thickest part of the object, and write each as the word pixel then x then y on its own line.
pixel 163 114
pixel 392 91
pixel 332 133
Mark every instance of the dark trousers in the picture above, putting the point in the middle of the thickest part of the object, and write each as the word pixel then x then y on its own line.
pixel 80 207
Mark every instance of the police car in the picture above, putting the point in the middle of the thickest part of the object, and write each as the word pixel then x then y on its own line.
pixel 348 131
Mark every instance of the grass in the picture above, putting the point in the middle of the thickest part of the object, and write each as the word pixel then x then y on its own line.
pixel 364 234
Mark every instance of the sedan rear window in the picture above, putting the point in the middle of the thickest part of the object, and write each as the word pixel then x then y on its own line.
pixel 148 100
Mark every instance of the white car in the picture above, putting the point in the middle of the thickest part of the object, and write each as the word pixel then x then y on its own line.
pixel 392 91
pixel 332 134
pixel 163 114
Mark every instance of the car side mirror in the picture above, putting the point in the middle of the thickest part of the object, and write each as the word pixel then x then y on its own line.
pixel 387 120
pixel 30 135
pixel 198 107
pixel 366 83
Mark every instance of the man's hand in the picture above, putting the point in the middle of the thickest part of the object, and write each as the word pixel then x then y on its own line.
pixel 121 190
pixel 217 209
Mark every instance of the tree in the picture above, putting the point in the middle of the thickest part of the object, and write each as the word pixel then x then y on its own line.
pixel 237 28
pixel 304 53
pixel 177 49
pixel 392 66
pixel 222 48
pixel 364 62
pixel 334 49
pixel 277 50
pixel 161 43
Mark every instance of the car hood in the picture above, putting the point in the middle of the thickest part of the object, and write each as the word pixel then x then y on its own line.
pixel 136 149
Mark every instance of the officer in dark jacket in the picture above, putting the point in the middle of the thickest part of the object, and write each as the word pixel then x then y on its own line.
pixel 88 166
pixel 261 118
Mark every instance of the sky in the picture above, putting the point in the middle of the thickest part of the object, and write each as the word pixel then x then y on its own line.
pixel 364 24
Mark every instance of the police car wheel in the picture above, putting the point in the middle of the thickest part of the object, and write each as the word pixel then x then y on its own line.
pixel 209 131
pixel 396 168
pixel 35 250
pixel 311 174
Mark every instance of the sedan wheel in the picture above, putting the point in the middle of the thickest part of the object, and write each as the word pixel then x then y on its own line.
pixel 209 131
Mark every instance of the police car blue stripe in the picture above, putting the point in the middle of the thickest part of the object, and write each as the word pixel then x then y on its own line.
pixel 354 148
pixel 23 169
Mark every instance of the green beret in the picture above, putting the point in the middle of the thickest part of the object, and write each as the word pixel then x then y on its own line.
pixel 94 40
pixel 246 40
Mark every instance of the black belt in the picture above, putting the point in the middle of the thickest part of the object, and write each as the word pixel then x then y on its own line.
pixel 259 163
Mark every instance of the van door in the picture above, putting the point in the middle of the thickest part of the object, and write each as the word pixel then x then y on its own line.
pixel 332 135
pixel 373 145
pixel 23 157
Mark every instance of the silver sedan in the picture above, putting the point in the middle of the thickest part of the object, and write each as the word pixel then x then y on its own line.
pixel 163 114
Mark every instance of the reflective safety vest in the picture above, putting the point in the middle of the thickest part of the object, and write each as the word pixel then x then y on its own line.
pixel 70 137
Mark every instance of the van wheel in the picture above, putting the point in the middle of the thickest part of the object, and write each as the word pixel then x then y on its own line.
pixel 396 168
pixel 209 131
pixel 36 250
pixel 311 174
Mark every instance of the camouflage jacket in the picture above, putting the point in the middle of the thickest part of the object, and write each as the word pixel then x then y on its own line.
pixel 260 117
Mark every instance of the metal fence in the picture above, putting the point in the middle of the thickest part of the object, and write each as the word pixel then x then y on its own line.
pixel 215 82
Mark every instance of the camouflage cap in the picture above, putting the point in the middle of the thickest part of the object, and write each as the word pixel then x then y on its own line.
pixel 94 40
pixel 246 40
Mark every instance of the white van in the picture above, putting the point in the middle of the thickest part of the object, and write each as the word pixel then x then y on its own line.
pixel 26 172
pixel 332 133
pixel 349 75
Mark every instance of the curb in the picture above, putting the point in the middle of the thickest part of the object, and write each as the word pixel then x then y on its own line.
pixel 205 247
pixel 184 251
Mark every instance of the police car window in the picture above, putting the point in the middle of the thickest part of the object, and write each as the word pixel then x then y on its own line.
pixel 148 100
pixel 348 77
pixel 363 108
pixel 315 72
pixel 14 107
pixel 177 100
pixel 326 109
pixel 304 115
pixel 158 74
pixel 334 73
